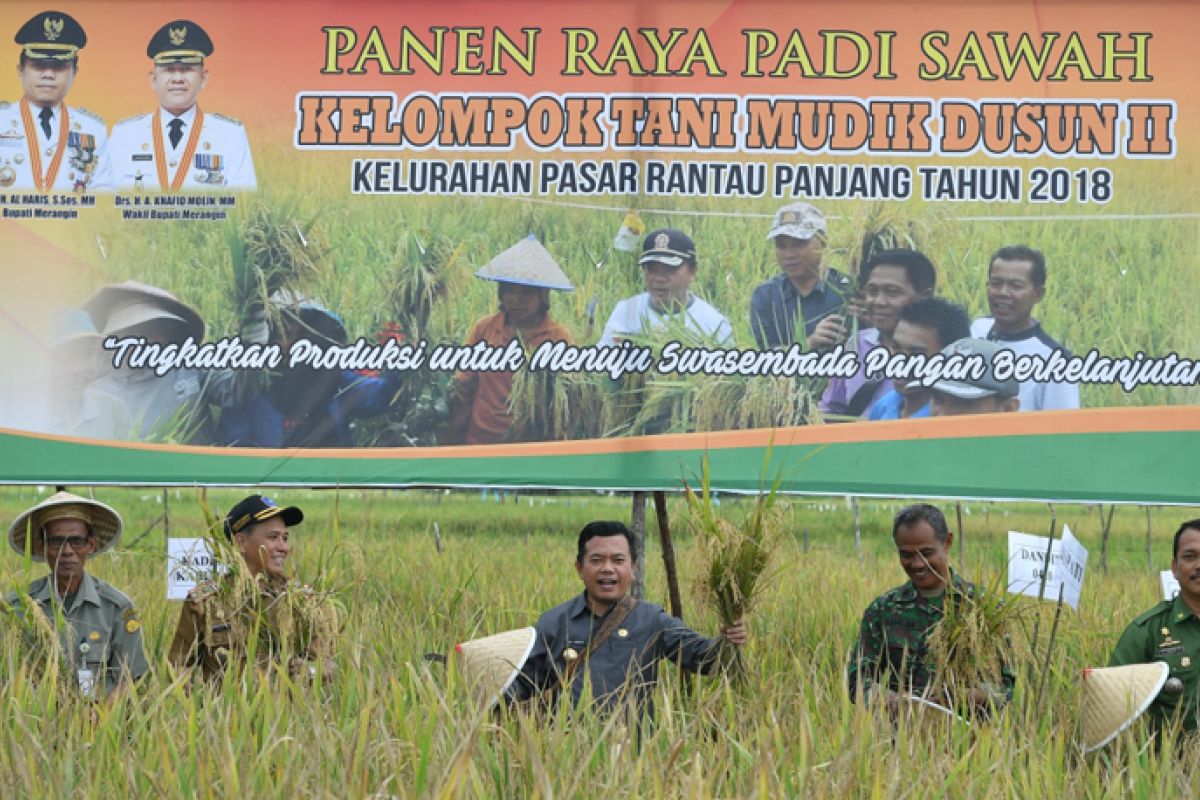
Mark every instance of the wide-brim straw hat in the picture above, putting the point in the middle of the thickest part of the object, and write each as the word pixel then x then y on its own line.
pixel 527 263
pixel 1113 697
pixel 105 522
pixel 121 305
pixel 490 665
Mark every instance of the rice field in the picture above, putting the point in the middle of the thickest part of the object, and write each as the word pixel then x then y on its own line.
pixel 1117 286
pixel 395 725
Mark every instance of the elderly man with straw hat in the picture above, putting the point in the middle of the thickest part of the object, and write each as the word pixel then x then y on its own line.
pixel 100 631
pixel 154 405
pixel 525 274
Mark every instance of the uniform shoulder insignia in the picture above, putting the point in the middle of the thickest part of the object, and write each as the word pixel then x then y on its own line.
pixel 4 104
pixel 87 113
pixel 131 119
pixel 1142 619
pixel 112 593
pixel 224 118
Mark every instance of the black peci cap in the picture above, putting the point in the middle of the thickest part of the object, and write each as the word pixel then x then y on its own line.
pixel 179 42
pixel 51 36
pixel 257 508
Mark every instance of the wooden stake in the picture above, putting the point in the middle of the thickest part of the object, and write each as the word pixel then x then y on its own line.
pixel 668 554
pixel 1105 527
pixel 637 526
pixel 1149 554
pixel 857 528
pixel 961 535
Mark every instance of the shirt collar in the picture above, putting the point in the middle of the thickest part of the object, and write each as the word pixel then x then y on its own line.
pixel 187 117
pixel 1180 610
pixel 579 606
pixel 789 289
pixel 1031 332
pixel 85 594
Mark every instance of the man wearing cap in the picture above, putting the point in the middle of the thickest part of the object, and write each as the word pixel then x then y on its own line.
pixel 180 147
pixel 924 328
pixel 802 294
pixel 1017 283
pixel 607 640
pixel 525 274
pixel 220 617
pixel 153 406
pixel 46 145
pixel 985 394
pixel 101 634
pixel 1170 632
pixel 669 267
pixel 891 658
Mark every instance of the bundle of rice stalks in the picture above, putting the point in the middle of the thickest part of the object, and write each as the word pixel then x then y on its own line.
pixel 723 404
pixel 423 276
pixel 736 556
pixel 884 226
pixel 974 639
pixel 271 249
pixel 549 406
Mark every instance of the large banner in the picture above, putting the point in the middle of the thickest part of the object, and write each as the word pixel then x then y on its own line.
pixel 565 245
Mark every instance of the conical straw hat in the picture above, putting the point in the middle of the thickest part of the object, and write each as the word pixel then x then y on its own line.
pixel 105 522
pixel 528 263
pixel 1113 697
pixel 492 663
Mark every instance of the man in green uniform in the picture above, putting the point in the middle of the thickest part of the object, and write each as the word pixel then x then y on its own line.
pixel 100 631
pixel 220 620
pixel 892 653
pixel 1170 632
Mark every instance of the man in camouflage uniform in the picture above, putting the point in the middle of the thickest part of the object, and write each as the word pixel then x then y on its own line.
pixel 268 617
pixel 1170 632
pixel 892 653
pixel 100 633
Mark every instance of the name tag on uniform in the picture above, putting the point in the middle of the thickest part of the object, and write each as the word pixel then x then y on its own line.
pixel 87 682
pixel 142 157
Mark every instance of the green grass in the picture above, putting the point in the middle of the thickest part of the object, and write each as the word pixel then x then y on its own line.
pixel 390 725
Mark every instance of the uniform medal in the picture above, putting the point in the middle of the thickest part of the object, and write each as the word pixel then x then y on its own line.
pixel 45 182
pixel 160 159
pixel 82 149
pixel 208 168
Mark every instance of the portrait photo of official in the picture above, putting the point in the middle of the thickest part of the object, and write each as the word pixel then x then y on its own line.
pixel 179 146
pixel 46 145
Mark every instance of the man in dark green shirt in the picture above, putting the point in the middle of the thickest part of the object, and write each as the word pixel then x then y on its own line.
pixel 1170 632
pixel 892 655
pixel 100 632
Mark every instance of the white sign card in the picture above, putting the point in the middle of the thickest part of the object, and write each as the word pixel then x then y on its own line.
pixel 1170 586
pixel 1027 561
pixel 188 562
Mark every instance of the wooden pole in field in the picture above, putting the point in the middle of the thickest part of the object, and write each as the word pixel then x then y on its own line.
pixel 1105 527
pixel 857 527
pixel 637 526
pixel 166 516
pixel 1149 554
pixel 962 535
pixel 668 554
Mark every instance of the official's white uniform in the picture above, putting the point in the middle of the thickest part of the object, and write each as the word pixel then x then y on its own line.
pixel 221 159
pixel 85 164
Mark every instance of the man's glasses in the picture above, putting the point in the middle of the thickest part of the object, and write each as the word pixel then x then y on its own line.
pixel 60 542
